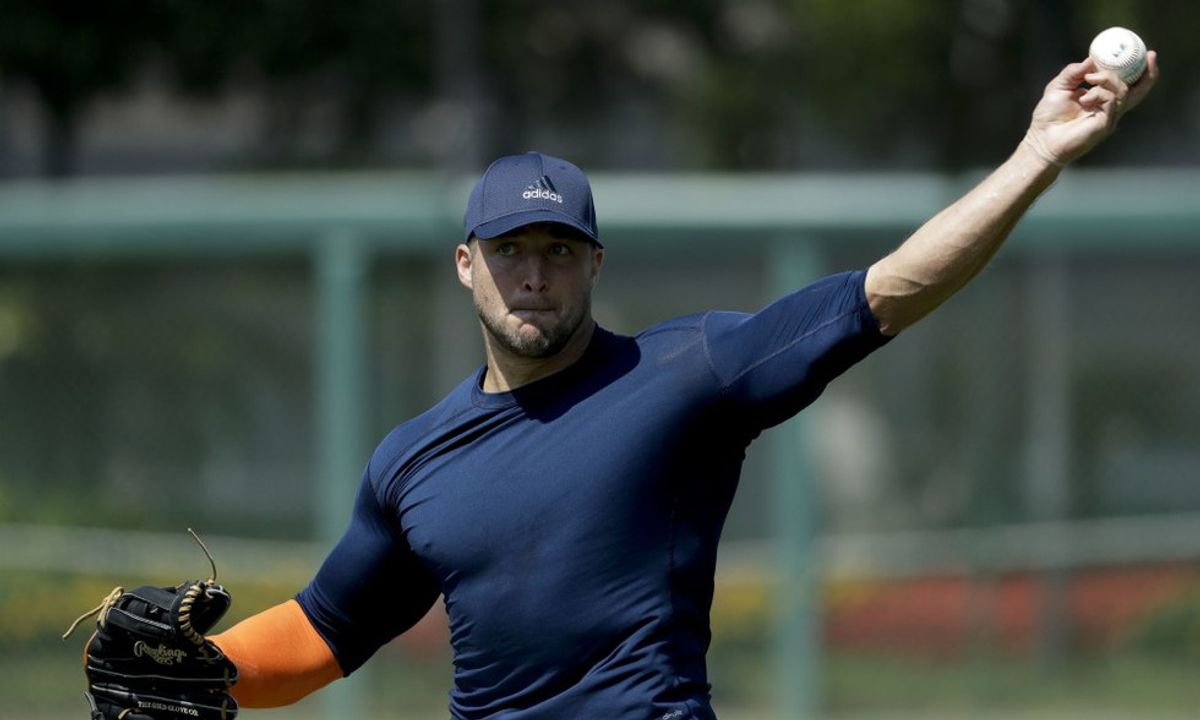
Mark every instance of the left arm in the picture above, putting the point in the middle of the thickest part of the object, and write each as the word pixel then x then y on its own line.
pixel 955 245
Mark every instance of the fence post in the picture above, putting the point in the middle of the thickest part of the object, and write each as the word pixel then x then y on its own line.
pixel 340 272
pixel 794 262
pixel 1048 443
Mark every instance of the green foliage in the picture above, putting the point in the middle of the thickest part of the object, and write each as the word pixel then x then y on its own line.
pixel 73 50
pixel 36 607
pixel 125 385
pixel 1171 631
pixel 708 83
pixel 861 685
pixel 70 52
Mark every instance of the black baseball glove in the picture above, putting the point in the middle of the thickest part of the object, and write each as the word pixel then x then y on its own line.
pixel 149 660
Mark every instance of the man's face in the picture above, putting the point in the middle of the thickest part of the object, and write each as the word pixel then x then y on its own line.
pixel 532 287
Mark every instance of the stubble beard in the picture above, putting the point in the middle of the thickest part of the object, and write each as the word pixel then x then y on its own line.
pixel 548 343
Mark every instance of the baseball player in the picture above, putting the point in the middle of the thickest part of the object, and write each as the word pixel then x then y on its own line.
pixel 566 499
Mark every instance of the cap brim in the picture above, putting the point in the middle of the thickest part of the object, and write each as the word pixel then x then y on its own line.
pixel 508 223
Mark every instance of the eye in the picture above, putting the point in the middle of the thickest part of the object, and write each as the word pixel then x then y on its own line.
pixel 506 249
pixel 560 249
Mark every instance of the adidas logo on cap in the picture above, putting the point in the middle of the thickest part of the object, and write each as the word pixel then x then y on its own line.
pixel 542 189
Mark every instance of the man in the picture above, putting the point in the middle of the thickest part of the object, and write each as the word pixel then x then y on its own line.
pixel 567 498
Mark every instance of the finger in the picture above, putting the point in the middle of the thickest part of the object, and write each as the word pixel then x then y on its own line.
pixel 1070 76
pixel 1151 68
pixel 1108 79
pixel 1142 87
pixel 1096 96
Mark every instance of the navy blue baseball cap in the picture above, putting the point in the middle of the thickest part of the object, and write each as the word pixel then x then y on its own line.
pixel 519 190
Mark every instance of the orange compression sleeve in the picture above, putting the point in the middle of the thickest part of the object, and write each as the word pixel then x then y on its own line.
pixel 279 656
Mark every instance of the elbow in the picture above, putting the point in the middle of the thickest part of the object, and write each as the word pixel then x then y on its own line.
pixel 896 301
pixel 889 327
pixel 897 314
pixel 891 322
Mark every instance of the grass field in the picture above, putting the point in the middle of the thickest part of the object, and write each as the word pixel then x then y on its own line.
pixel 46 685
pixel 40 676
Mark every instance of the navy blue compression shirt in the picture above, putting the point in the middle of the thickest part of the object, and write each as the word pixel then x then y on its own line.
pixel 571 525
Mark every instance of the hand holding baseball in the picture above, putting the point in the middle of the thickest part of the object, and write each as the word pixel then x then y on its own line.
pixel 1070 120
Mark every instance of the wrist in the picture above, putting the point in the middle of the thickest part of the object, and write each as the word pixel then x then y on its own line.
pixel 1032 143
pixel 1034 160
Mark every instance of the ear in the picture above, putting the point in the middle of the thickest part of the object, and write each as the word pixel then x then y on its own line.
pixel 462 261
pixel 597 261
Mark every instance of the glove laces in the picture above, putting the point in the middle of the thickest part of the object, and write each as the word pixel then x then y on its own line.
pixel 102 609
pixel 190 596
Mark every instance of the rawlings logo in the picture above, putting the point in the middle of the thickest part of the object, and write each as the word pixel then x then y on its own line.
pixel 162 654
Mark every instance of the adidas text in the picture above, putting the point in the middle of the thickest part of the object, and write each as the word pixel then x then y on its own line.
pixel 535 193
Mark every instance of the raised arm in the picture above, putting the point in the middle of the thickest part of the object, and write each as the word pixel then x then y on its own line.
pixel 953 246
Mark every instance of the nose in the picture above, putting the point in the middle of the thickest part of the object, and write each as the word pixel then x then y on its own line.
pixel 534 272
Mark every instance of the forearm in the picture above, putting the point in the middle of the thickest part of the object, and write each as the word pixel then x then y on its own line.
pixel 950 249
pixel 957 243
pixel 280 657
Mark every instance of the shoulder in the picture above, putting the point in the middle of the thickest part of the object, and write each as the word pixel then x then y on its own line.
pixel 398 444
pixel 678 330
pixel 665 337
pixel 677 346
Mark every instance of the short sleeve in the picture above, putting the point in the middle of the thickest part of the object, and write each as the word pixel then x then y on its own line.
pixel 773 363
pixel 370 588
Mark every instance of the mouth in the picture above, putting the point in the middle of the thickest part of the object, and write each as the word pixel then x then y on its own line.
pixel 530 312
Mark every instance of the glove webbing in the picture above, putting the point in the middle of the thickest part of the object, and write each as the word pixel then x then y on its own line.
pixel 185 606
pixel 192 593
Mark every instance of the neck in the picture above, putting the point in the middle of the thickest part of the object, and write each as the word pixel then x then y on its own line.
pixel 506 371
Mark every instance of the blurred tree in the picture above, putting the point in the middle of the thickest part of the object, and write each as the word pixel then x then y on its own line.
pixel 70 52
pixel 778 84
pixel 344 62
pixel 706 84
pixel 125 384
pixel 311 57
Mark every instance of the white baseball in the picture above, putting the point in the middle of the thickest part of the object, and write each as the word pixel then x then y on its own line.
pixel 1120 51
